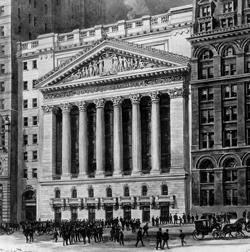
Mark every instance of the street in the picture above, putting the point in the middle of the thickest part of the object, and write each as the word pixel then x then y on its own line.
pixel 45 243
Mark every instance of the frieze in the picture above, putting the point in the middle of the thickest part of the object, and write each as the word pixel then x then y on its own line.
pixel 47 108
pixel 96 88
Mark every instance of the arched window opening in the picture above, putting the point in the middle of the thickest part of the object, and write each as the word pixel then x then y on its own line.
pixel 91 192
pixel 247 58
pixel 228 61
pixel 109 192
pixel 206 68
pixel 230 179
pixel 144 190
pixel 57 194
pixel 126 191
pixel 74 193
pixel 164 190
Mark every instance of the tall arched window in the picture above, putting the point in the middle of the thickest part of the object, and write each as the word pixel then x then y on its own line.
pixel 248 179
pixel 144 190
pixel 230 179
pixel 247 58
pixel 164 189
pixel 57 193
pixel 206 168
pixel 126 191
pixel 74 193
pixel 109 192
pixel 228 63
pixel 90 192
pixel 206 67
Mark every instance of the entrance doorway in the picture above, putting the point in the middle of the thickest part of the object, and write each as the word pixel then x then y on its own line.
pixel 29 202
pixel 127 212
pixel 145 213
pixel 108 212
pixel 164 212
pixel 91 214
pixel 58 214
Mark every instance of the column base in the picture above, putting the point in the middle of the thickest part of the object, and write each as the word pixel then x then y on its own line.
pixel 99 174
pixel 65 176
pixel 82 176
pixel 136 173
pixel 154 172
pixel 117 174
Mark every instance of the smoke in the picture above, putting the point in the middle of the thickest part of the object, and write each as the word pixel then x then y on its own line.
pixel 136 8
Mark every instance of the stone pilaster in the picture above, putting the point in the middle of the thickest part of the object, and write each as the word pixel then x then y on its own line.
pixel 83 139
pixel 155 133
pixel 100 137
pixel 241 129
pixel 218 187
pixel 66 141
pixel 136 134
pixel 118 140
pixel 49 142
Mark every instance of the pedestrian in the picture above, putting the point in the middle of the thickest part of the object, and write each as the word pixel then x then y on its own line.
pixel 165 238
pixel 55 235
pixel 158 238
pixel 182 237
pixel 145 230
pixel 139 237
pixel 153 221
pixel 121 237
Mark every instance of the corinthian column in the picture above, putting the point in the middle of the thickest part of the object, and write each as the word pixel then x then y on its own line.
pixel 155 134
pixel 83 139
pixel 100 137
pixel 66 140
pixel 117 149
pixel 136 134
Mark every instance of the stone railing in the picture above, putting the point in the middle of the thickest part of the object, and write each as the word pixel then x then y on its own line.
pixel 57 202
pixel 74 201
pixel 122 28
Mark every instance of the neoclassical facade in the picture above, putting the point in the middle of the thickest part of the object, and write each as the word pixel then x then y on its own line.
pixel 115 135
pixel 220 107
pixel 104 122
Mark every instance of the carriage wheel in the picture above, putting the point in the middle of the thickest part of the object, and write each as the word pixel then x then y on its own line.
pixel 216 234
pixel 240 235
pixel 198 235
pixel 247 227
pixel 222 234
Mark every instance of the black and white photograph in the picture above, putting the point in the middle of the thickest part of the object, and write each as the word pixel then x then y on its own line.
pixel 124 125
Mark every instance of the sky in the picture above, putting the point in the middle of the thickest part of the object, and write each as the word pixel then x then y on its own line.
pixel 129 9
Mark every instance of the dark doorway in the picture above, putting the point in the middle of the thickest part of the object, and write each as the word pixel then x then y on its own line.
pixel 109 212
pixel 91 214
pixel 127 212
pixel 145 213
pixel 29 202
pixel 58 214
pixel 164 212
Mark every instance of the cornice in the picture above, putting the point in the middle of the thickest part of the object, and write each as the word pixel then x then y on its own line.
pixel 220 33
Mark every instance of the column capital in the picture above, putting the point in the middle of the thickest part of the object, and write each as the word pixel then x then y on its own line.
pixel 99 103
pixel 135 98
pixel 178 92
pixel 66 107
pixel 82 105
pixel 155 97
pixel 49 108
pixel 117 101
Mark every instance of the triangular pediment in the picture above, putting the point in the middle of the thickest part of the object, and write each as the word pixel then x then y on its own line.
pixel 112 58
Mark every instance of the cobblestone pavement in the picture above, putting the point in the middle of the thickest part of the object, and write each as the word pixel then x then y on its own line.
pixel 16 242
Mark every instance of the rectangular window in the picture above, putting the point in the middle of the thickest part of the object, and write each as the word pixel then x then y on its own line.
pixel 34 155
pixel 35 21
pixel 25 85
pixel 25 121
pixel 2 104
pixel 34 173
pixel 25 156
pixel 25 65
pixel 25 139
pixel 206 11
pixel 34 102
pixel 1 10
pixel 2 68
pixel 25 104
pixel 229 91
pixel 34 64
pixel 25 173
pixel 230 22
pixel 207 116
pixel 207 140
pixel 29 18
pixel 230 138
pixel 2 31
pixel 248 136
pixel 206 94
pixel 34 139
pixel 2 48
pixel 230 113
pixel 34 120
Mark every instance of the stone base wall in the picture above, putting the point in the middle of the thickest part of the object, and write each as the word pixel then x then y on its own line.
pixel 47 192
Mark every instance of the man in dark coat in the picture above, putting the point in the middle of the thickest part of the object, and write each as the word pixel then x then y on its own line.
pixel 158 238
pixel 165 238
pixel 139 237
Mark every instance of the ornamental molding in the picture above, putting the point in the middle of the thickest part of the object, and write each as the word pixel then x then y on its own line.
pixel 101 88
pixel 65 107
pixel 155 97
pixel 99 103
pixel 135 98
pixel 82 105
pixel 117 101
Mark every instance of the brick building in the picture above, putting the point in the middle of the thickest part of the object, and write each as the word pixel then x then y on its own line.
pixel 220 86
pixel 104 120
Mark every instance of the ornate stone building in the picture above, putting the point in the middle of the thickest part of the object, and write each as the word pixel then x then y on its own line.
pixel 220 89
pixel 105 120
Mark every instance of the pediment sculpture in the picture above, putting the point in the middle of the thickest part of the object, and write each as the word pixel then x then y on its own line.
pixel 110 63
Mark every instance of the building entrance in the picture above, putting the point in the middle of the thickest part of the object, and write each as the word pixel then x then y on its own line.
pixel 127 212
pixel 91 214
pixel 109 212
pixel 145 213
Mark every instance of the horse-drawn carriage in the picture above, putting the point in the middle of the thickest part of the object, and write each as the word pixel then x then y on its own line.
pixel 219 230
